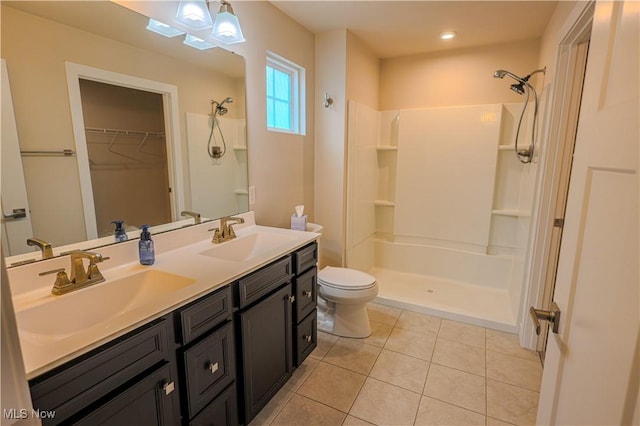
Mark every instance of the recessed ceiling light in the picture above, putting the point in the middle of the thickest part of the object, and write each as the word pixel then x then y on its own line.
pixel 448 35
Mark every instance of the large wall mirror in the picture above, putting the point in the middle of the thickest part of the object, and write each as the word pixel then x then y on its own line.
pixel 113 122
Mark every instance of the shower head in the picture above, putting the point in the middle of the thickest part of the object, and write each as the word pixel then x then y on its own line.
pixel 220 109
pixel 502 73
pixel 519 88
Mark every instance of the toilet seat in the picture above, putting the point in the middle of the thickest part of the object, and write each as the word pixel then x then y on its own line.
pixel 345 279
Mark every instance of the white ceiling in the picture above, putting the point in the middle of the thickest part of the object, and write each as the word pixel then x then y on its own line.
pixel 398 28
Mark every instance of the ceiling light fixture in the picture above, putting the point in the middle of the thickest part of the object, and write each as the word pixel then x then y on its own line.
pixel 448 35
pixel 226 27
pixel 198 43
pixel 163 29
pixel 194 14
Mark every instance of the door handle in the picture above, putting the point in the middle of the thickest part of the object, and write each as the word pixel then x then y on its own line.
pixel 552 316
pixel 17 214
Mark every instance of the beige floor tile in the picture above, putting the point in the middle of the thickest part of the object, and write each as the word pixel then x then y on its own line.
pixel 384 314
pixel 401 370
pixel 514 370
pixel 459 356
pixel 303 411
pixel 416 321
pixel 333 386
pixel 511 404
pixel 353 354
pixel 463 333
pixel 434 412
pixel 508 343
pixel 413 343
pixel 273 408
pixel 384 404
pixel 457 387
pixel 379 333
pixel 325 342
pixel 301 374
pixel 354 421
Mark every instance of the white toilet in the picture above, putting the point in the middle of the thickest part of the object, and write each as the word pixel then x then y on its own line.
pixel 342 301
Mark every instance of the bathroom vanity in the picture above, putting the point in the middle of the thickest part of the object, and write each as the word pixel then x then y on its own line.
pixel 215 349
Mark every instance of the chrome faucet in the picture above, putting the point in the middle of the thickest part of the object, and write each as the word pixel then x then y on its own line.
pixel 80 277
pixel 226 232
pixel 45 247
pixel 196 216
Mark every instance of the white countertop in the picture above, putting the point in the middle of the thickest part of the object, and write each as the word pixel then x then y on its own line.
pixel 177 252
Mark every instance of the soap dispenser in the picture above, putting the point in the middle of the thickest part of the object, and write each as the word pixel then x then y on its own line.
pixel 120 235
pixel 145 247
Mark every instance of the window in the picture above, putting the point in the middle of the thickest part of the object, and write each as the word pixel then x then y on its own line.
pixel 285 95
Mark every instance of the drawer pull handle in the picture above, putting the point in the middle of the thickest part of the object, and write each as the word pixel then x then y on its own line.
pixel 213 367
pixel 307 294
pixel 168 388
pixel 307 338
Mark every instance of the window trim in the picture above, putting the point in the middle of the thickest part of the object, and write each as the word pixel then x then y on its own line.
pixel 297 93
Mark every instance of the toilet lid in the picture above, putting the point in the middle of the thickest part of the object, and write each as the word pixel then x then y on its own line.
pixel 345 278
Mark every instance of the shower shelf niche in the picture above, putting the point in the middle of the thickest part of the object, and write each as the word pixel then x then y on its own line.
pixel 386 148
pixel 384 203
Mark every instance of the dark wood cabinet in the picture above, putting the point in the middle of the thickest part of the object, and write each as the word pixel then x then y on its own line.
pixel 148 401
pixel 79 385
pixel 265 350
pixel 215 361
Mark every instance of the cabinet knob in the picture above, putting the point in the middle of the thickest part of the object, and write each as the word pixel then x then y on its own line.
pixel 292 299
pixel 168 388
pixel 307 338
pixel 307 293
pixel 213 367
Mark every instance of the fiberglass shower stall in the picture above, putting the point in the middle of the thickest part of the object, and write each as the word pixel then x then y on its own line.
pixel 437 209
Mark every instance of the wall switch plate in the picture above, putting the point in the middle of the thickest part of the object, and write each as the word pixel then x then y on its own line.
pixel 252 195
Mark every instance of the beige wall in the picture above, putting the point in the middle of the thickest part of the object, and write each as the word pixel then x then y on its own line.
pixel 455 77
pixel 331 57
pixel 281 165
pixel 363 73
pixel 36 51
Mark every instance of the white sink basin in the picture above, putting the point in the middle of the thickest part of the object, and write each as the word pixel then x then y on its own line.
pixel 243 248
pixel 62 316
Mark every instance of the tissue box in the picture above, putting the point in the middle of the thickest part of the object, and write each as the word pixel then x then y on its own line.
pixel 299 223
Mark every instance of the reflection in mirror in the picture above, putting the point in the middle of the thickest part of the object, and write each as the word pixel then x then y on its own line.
pixel 57 135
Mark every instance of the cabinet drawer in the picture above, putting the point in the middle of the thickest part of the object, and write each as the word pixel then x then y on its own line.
pixel 149 401
pixel 74 386
pixel 209 367
pixel 306 294
pixel 306 338
pixel 305 258
pixel 262 282
pixel 205 314
pixel 223 411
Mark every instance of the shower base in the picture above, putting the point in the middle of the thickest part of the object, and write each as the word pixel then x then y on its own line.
pixel 458 301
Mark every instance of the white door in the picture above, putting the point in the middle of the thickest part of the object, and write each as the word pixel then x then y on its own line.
pixel 15 230
pixel 591 371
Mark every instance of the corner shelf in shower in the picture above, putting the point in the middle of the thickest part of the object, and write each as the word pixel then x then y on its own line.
pixel 386 148
pixel 241 192
pixel 511 212
pixel 384 203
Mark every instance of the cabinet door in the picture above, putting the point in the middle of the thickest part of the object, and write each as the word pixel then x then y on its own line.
pixel 266 350
pixel 209 368
pixel 149 401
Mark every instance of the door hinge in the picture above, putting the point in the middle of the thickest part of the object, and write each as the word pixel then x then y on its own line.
pixel 558 222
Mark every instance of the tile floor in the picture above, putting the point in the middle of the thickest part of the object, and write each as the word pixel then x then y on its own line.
pixel 414 369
